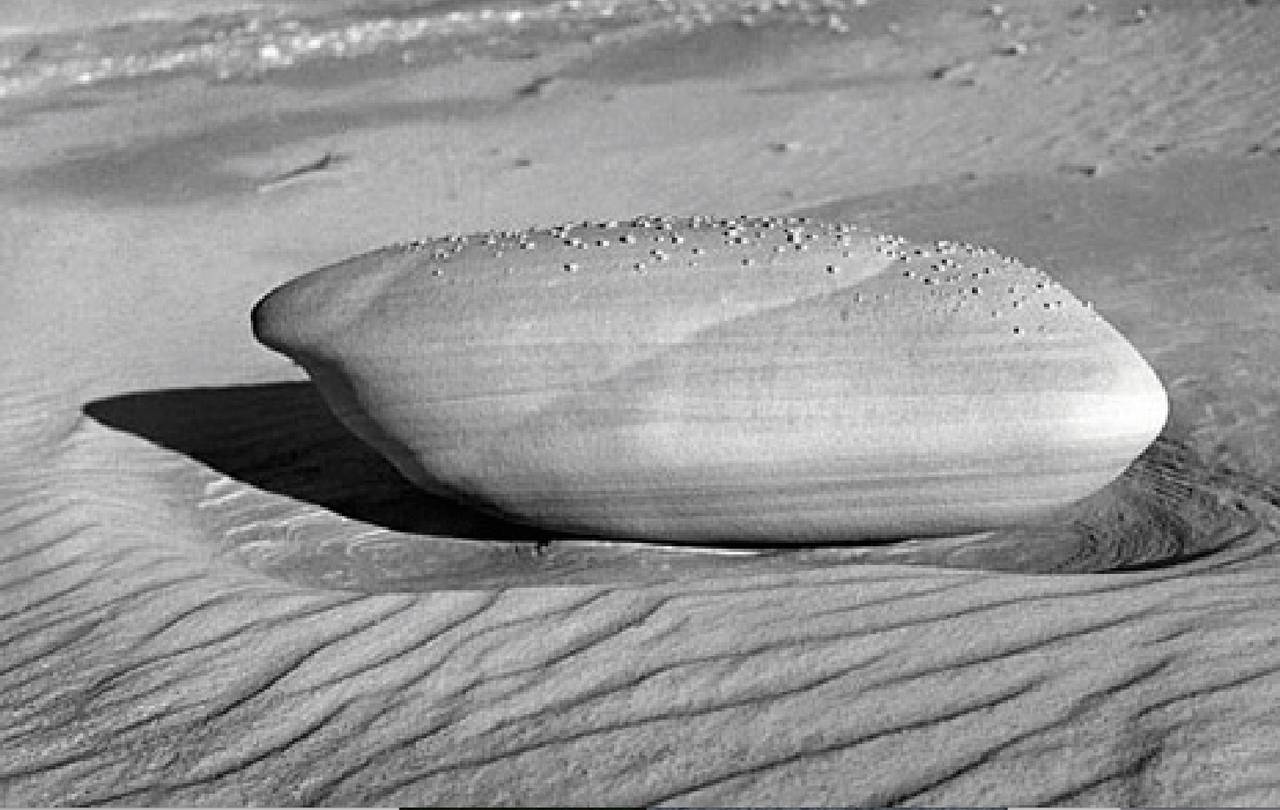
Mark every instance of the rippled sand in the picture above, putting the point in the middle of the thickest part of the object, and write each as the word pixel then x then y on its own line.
pixel 214 595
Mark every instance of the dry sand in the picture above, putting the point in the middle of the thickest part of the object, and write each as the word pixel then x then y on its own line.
pixel 179 514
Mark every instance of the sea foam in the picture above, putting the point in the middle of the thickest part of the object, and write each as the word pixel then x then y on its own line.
pixel 258 38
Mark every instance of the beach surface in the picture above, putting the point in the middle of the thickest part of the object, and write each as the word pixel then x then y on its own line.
pixel 215 595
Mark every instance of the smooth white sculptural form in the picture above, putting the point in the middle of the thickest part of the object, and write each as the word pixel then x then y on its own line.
pixel 717 380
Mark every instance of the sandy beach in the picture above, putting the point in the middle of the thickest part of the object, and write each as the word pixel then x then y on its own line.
pixel 217 596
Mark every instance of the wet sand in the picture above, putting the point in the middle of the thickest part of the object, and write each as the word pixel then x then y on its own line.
pixel 172 494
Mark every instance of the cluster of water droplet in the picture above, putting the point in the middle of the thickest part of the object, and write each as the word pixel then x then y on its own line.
pixel 961 279
pixel 652 242
pixel 947 280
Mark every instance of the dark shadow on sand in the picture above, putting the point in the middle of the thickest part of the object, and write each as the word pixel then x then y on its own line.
pixel 280 437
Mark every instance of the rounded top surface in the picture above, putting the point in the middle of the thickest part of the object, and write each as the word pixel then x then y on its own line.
pixel 660 278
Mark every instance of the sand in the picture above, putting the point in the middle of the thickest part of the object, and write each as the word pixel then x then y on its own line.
pixel 216 596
